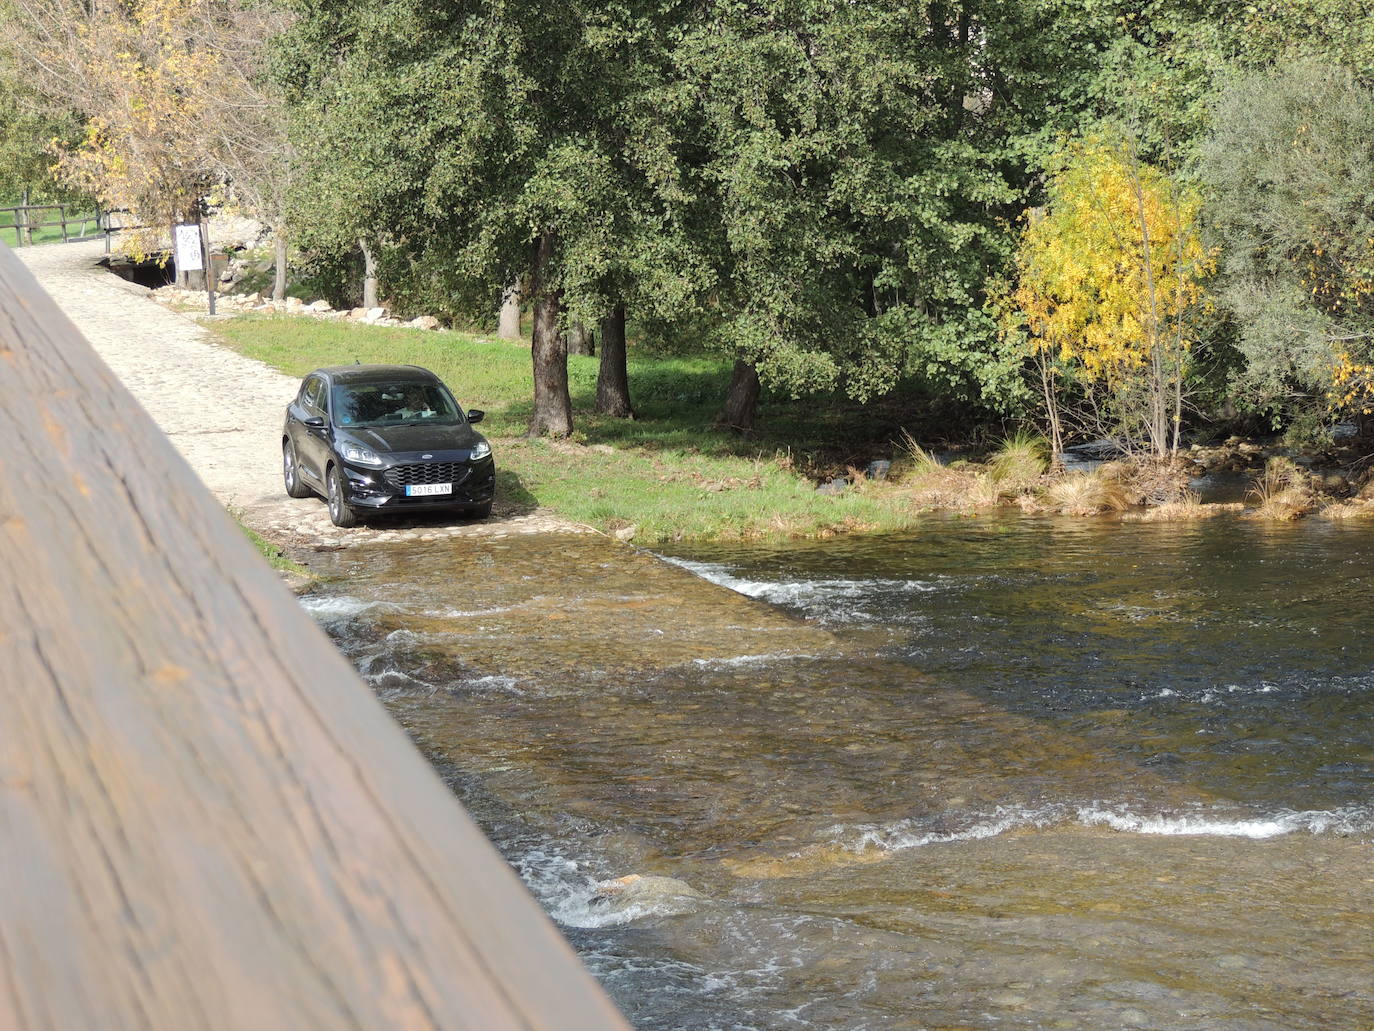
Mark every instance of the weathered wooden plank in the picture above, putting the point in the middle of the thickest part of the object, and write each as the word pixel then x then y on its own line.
pixel 206 819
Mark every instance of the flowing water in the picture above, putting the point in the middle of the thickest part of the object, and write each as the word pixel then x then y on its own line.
pixel 1000 773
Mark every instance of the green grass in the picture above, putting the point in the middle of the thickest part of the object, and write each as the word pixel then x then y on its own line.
pixel 276 558
pixel 667 473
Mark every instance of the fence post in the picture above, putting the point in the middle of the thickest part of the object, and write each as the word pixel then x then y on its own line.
pixel 22 233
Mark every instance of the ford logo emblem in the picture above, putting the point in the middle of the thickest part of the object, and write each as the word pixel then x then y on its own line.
pixel 426 456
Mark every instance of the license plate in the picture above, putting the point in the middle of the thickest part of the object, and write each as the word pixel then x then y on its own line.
pixel 424 490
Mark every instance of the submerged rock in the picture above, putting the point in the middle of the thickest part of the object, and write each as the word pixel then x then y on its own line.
pixel 640 895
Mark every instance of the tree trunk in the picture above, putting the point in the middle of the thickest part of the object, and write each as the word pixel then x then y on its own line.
pixel 369 275
pixel 1047 384
pixel 279 278
pixel 613 380
pixel 508 327
pixel 549 349
pixel 580 340
pixel 22 220
pixel 742 401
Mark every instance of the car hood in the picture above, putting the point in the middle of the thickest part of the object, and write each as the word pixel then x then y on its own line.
pixel 415 438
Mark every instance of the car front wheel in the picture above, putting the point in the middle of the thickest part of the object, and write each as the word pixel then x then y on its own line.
pixel 339 512
pixel 291 472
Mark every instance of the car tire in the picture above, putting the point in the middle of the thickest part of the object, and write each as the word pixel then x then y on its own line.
pixel 291 472
pixel 340 514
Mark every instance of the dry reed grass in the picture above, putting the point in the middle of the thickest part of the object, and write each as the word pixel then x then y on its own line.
pixel 1185 509
pixel 1084 494
pixel 930 484
pixel 1283 493
pixel 1343 510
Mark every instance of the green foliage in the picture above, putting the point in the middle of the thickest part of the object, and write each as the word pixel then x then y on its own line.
pixel 1289 171
pixel 29 126
pixel 824 189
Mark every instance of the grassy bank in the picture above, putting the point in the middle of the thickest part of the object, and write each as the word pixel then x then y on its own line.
pixel 275 556
pixel 667 473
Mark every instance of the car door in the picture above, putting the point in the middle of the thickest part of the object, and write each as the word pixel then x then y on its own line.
pixel 312 444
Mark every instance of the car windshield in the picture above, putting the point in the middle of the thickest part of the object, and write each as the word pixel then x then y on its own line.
pixel 393 404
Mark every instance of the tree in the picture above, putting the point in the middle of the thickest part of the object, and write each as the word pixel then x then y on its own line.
pixel 173 97
pixel 612 380
pixel 128 69
pixel 246 130
pixel 858 194
pixel 1289 170
pixel 28 126
pixel 1110 285
pixel 472 139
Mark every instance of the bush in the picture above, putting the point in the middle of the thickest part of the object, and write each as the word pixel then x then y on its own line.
pixel 1088 494
pixel 1282 493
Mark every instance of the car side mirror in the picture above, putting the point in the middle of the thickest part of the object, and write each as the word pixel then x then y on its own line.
pixel 476 415
pixel 315 421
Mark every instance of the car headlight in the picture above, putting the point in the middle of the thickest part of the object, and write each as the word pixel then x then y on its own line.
pixel 479 450
pixel 361 455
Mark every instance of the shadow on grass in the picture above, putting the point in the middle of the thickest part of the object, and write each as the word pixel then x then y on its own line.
pixel 512 499
pixel 823 433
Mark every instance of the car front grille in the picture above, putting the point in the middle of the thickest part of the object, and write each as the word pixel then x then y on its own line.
pixel 427 472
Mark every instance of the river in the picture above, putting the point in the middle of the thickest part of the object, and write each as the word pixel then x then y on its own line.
pixel 997 773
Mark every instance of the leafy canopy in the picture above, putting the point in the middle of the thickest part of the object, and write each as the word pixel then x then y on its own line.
pixel 1289 170
pixel 1111 279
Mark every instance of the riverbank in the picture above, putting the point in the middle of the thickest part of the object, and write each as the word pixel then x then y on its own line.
pixel 666 475
pixel 669 475
pixel 662 477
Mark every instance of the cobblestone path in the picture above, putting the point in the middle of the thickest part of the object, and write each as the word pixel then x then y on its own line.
pixel 222 411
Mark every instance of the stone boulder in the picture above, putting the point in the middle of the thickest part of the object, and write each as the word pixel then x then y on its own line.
pixel 648 895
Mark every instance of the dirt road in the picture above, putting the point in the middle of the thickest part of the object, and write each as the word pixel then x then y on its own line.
pixel 222 411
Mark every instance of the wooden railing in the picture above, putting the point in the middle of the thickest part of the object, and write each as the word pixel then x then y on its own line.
pixel 206 819
pixel 25 218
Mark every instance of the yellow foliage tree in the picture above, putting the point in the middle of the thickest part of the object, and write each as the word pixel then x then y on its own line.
pixel 142 77
pixel 1110 280
pixel 176 102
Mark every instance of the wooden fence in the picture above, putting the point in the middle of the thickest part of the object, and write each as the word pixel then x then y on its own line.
pixel 206 820
pixel 25 218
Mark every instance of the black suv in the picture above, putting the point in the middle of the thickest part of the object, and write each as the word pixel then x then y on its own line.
pixel 385 438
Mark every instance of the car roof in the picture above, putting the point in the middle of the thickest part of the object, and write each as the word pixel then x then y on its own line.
pixel 377 374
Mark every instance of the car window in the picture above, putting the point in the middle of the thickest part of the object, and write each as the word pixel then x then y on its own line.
pixel 393 404
pixel 310 396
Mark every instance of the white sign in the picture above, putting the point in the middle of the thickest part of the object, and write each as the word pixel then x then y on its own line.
pixel 186 247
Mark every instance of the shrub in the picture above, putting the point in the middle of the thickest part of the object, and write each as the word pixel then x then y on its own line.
pixel 1186 508
pixel 1020 462
pixel 1348 510
pixel 1282 493
pixel 930 484
pixel 1087 494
